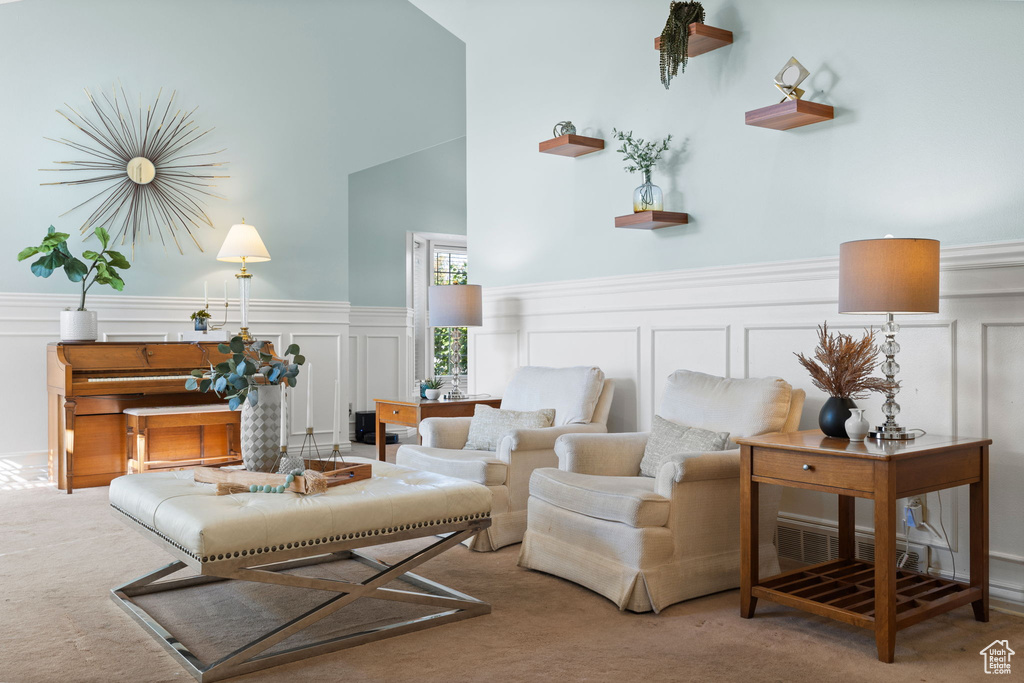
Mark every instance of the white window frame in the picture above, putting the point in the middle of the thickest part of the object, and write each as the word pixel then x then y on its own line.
pixel 429 242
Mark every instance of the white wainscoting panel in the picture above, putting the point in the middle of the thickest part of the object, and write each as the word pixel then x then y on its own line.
pixel 29 321
pixel 701 349
pixel 614 350
pixel 962 369
pixel 381 361
pixel 502 349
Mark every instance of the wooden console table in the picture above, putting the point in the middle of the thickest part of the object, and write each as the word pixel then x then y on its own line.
pixel 876 596
pixel 409 412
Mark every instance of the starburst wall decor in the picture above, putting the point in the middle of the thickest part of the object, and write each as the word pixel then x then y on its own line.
pixel 151 181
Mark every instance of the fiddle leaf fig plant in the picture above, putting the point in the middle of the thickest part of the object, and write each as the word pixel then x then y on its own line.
pixel 56 255
pixel 249 368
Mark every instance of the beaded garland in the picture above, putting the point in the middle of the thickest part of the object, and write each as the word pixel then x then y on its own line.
pixel 281 488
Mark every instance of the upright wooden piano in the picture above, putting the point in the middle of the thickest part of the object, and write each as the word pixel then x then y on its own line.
pixel 89 384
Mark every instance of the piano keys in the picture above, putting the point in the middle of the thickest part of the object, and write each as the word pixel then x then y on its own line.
pixel 89 384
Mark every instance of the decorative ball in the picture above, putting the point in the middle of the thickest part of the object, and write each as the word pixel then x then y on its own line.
pixel 254 488
pixel 563 128
pixel 280 488
pixel 267 488
pixel 289 479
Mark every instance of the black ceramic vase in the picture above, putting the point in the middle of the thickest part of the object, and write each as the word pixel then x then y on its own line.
pixel 833 416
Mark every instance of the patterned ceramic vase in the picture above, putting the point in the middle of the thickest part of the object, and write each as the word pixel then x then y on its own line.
pixel 261 431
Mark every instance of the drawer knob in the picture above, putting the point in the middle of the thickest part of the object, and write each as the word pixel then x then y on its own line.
pixel 808 468
pixel 394 412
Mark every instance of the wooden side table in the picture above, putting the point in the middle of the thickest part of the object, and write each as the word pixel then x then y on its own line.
pixel 876 596
pixel 409 412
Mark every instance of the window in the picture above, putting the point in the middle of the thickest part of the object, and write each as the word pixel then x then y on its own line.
pixel 449 269
pixel 434 259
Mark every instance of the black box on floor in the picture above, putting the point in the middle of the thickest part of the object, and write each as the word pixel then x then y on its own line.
pixel 371 438
pixel 365 424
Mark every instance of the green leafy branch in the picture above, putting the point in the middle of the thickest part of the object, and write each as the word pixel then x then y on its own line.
pixel 240 377
pixel 55 255
pixel 642 155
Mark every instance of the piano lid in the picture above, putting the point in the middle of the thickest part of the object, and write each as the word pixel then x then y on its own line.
pixel 114 356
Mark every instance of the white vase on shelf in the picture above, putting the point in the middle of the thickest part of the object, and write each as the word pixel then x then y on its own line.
pixel 857 427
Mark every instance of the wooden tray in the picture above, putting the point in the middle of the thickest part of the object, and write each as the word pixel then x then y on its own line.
pixel 344 475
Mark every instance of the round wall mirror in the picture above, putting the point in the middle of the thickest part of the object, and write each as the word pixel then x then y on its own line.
pixel 141 171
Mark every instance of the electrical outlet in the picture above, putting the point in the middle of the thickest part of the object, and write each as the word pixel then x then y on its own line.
pixel 350 409
pixel 913 513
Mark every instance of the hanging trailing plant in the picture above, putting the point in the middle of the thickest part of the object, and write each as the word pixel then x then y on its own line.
pixel 675 37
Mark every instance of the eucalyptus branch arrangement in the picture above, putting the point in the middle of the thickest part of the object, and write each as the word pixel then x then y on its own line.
pixel 56 254
pixel 640 155
pixel 250 367
pixel 843 367
pixel 675 38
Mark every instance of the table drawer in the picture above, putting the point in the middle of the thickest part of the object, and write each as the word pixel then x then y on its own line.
pixel 823 470
pixel 394 413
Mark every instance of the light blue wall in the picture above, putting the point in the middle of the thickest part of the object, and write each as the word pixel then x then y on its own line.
pixel 301 92
pixel 927 139
pixel 421 192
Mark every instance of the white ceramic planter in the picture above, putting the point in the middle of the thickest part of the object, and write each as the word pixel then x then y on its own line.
pixel 432 394
pixel 78 326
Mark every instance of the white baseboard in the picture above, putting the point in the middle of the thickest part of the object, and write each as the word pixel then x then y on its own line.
pixel 24 460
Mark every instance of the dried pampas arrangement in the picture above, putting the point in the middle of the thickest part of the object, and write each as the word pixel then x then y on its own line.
pixel 843 367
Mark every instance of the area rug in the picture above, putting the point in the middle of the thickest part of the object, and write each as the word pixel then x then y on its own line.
pixel 60 555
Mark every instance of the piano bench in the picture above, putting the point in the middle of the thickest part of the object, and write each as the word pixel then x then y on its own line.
pixel 177 437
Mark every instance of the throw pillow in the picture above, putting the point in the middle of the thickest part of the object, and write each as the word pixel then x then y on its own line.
pixel 490 424
pixel 668 438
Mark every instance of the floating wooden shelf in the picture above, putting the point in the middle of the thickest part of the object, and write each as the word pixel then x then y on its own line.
pixel 571 145
pixel 790 114
pixel 651 220
pixel 703 38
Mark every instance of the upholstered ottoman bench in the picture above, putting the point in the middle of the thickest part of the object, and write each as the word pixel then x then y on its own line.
pixel 262 537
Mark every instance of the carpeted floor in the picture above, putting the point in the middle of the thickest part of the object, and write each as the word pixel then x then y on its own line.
pixel 60 555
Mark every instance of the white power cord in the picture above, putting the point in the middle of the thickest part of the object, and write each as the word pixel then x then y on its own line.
pixel 902 560
pixel 952 557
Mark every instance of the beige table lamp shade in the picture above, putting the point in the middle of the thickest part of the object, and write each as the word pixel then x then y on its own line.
pixel 890 275
pixel 242 244
pixel 455 305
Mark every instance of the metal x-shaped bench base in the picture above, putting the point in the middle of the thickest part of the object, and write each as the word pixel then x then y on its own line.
pixel 250 657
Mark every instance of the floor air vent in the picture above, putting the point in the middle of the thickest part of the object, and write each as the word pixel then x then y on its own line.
pixel 812 543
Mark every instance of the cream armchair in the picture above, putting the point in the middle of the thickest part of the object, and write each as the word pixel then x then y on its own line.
pixel 648 542
pixel 581 398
